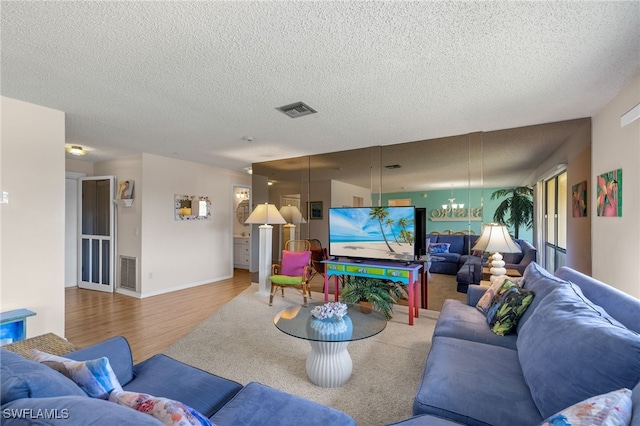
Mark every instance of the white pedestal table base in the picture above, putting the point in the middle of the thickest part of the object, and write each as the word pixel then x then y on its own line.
pixel 329 364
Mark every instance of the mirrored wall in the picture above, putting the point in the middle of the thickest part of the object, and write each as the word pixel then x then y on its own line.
pixel 452 177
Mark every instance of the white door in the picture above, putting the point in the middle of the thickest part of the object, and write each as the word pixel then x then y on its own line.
pixel 97 233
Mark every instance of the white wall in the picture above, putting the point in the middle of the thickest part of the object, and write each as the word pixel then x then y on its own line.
pixel 182 254
pixel 616 240
pixel 32 224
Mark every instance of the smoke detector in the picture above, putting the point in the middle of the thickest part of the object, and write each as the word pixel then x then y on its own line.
pixel 298 109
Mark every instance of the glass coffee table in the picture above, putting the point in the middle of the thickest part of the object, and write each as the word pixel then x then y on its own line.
pixel 329 363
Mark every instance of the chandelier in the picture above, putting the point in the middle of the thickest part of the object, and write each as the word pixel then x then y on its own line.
pixel 452 203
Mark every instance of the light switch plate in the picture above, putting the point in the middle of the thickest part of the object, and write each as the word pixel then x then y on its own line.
pixel 4 197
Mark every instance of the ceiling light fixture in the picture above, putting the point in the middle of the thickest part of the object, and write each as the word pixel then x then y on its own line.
pixel 452 203
pixel 76 150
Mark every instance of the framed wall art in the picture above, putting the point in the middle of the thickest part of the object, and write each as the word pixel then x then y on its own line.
pixel 315 209
pixel 609 194
pixel 579 199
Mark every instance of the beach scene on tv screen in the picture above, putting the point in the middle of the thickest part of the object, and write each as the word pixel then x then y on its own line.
pixel 372 232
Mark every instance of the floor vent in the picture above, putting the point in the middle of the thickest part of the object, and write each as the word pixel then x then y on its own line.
pixel 128 273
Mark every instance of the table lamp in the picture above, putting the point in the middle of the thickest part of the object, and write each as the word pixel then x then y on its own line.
pixel 495 239
pixel 293 217
pixel 265 214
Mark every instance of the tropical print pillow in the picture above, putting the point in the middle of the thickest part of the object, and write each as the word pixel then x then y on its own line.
pixel 512 306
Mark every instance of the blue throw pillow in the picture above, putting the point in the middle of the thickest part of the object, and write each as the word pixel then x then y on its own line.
pixel 436 248
pixel 571 349
pixel 22 378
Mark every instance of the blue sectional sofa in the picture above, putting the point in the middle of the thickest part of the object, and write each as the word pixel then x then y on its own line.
pixel 467 267
pixel 28 387
pixel 579 338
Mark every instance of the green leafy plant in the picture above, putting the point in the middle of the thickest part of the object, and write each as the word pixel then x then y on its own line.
pixel 516 210
pixel 382 294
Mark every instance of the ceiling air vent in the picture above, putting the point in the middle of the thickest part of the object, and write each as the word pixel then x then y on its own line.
pixel 299 109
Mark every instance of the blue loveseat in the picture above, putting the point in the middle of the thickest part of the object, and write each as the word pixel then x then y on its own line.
pixel 29 389
pixel 579 338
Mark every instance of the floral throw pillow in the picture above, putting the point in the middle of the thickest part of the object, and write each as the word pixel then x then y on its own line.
pixel 436 248
pixel 95 377
pixel 609 409
pixel 168 411
pixel 512 306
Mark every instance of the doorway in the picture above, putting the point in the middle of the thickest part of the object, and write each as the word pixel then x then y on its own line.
pixel 97 233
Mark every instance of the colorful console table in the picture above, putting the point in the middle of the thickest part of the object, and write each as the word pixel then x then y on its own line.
pixel 397 272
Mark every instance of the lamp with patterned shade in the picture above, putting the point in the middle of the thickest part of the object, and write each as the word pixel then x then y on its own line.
pixel 265 214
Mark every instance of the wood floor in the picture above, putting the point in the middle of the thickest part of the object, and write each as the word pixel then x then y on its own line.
pixel 151 324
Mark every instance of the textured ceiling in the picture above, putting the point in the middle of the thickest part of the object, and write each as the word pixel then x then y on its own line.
pixel 197 80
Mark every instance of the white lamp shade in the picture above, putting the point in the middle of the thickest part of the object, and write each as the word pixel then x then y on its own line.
pixel 292 215
pixel 266 214
pixel 496 238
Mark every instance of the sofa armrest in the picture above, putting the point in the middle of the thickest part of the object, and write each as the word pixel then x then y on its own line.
pixel 474 293
pixel 116 349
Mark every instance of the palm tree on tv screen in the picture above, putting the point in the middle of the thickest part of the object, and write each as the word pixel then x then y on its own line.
pixel 381 214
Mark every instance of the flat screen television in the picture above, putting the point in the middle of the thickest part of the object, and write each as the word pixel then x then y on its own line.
pixel 377 233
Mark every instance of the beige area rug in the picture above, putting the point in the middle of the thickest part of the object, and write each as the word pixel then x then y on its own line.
pixel 241 343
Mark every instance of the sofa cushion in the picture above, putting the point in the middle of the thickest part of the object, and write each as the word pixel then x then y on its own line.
pixel 165 377
pixel 95 377
pixel 620 305
pixel 424 420
pixel 72 410
pixel 504 319
pixel 23 378
pixel 570 350
pixel 610 409
pixel 116 349
pixel 257 404
pixel 450 387
pixel 462 321
pixel 168 411
pixel 541 282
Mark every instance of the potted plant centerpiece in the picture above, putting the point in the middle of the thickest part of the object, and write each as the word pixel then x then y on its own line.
pixel 381 294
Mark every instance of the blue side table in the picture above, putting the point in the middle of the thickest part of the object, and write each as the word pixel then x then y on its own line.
pixel 13 325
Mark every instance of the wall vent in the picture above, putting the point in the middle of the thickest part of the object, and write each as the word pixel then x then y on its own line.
pixel 299 109
pixel 128 273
